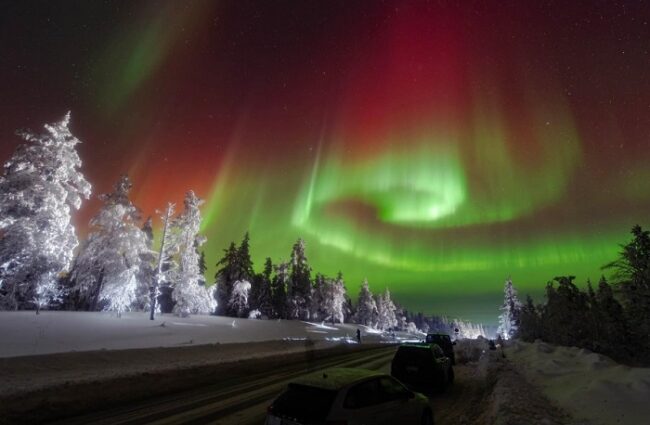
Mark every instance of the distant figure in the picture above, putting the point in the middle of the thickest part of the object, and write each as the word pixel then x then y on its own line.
pixel 359 335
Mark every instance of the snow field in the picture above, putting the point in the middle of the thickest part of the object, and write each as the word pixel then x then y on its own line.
pixel 24 333
pixel 588 385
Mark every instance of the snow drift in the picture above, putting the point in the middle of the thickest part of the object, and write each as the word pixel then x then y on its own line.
pixel 588 385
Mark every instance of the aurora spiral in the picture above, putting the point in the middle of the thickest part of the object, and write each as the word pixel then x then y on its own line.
pixel 433 148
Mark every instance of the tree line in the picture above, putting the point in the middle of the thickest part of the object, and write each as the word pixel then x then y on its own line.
pixel 117 268
pixel 613 319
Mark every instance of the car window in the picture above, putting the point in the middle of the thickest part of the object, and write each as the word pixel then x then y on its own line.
pixel 362 395
pixel 304 403
pixel 391 389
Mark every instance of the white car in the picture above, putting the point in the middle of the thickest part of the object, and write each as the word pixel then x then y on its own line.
pixel 344 396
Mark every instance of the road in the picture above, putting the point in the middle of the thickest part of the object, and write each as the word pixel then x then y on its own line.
pixel 244 401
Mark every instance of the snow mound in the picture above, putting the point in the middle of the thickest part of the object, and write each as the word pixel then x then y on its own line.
pixel 590 386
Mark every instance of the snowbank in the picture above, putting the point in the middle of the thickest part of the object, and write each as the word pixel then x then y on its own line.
pixel 25 333
pixel 588 385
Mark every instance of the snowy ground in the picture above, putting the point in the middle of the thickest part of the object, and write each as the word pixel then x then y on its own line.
pixel 25 333
pixel 591 387
pixel 534 384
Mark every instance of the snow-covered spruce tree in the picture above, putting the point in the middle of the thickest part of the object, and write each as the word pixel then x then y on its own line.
pixel 190 297
pixel 317 311
pixel 265 294
pixel 509 317
pixel 366 306
pixel 39 187
pixel 235 265
pixel 469 330
pixel 333 299
pixel 243 270
pixel 386 312
pixel 614 333
pixel 244 262
pixel 238 302
pixel 225 278
pixel 632 278
pixel 114 254
pixel 147 269
pixel 299 288
pixel 565 317
pixel 529 322
pixel 159 292
pixel 279 286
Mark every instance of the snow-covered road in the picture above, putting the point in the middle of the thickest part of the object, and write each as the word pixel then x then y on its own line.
pixel 487 391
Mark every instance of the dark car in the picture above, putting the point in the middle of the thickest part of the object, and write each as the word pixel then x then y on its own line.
pixel 444 341
pixel 422 366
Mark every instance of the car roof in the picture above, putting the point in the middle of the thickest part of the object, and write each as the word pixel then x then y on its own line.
pixel 336 378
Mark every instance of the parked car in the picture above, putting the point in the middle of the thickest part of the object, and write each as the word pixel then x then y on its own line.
pixel 422 366
pixel 445 342
pixel 349 397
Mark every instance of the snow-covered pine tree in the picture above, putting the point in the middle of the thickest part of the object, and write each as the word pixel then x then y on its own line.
pixel 39 187
pixel 632 278
pixel 348 308
pixel 147 269
pixel 299 289
pixel 115 251
pixel 366 306
pixel 244 262
pixel 400 315
pixel 238 302
pixel 530 327
pixel 225 278
pixel 510 309
pixel 279 297
pixel 164 263
pixel 614 329
pixel 411 328
pixel 469 330
pixel 265 295
pixel 317 311
pixel 386 311
pixel 190 297
pixel 333 300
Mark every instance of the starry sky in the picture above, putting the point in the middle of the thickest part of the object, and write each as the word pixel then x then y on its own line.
pixel 431 147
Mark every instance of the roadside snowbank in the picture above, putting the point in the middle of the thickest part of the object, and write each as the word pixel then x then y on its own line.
pixel 24 333
pixel 588 385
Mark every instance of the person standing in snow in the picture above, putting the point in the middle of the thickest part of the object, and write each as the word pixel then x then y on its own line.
pixel 359 336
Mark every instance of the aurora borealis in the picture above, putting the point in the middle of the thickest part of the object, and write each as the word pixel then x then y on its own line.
pixel 434 149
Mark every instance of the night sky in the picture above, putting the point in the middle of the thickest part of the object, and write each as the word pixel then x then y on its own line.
pixel 433 149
